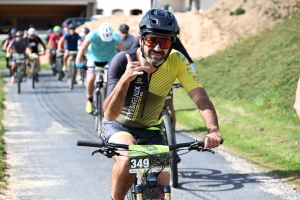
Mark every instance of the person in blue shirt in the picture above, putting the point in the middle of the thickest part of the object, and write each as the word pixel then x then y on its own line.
pixel 101 48
pixel 70 40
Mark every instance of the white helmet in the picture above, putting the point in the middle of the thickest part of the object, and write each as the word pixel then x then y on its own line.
pixel 105 32
pixel 32 31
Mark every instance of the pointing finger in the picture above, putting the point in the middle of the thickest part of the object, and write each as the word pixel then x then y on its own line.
pixel 128 58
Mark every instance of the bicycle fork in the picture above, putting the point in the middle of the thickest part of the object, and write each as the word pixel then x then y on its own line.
pixel 152 183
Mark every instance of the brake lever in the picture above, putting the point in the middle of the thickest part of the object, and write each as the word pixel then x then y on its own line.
pixel 98 151
pixel 208 150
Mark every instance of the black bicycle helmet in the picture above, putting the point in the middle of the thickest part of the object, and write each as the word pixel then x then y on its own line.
pixel 13 31
pixel 19 33
pixel 71 26
pixel 85 30
pixel 159 21
pixel 124 27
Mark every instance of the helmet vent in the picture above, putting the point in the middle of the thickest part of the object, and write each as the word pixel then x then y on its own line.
pixel 154 21
pixel 170 24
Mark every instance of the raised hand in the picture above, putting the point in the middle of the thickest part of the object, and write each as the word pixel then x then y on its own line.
pixel 133 69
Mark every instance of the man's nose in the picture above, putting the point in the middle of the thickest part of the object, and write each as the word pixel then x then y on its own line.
pixel 157 47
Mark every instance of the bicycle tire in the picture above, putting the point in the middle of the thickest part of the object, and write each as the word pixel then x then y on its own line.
pixel 71 74
pixel 169 133
pixel 59 74
pixel 19 76
pixel 130 194
pixel 99 113
pixel 33 72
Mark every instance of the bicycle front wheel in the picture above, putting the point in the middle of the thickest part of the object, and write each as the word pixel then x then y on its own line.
pixel 169 134
pixel 71 76
pixel 99 109
pixel 130 194
pixel 33 72
pixel 59 74
pixel 19 76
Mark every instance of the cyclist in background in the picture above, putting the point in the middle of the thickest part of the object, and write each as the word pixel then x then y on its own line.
pixel 11 35
pixel 139 80
pixel 70 39
pixel 83 33
pixel 19 45
pixel 49 32
pixel 127 38
pixel 53 45
pixel 179 47
pixel 34 41
pixel 101 46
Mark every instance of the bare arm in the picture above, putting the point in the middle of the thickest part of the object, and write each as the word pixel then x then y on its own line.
pixel 81 51
pixel 61 40
pixel 121 46
pixel 113 104
pixel 209 115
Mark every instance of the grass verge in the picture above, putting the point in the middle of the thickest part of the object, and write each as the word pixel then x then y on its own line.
pixel 3 181
pixel 252 85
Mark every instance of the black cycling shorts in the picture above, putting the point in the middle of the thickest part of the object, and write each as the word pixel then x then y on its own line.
pixel 109 128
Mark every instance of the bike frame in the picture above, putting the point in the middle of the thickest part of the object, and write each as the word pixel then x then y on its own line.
pixel 109 150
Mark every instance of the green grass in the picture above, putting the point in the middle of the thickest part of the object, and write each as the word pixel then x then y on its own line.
pixel 252 85
pixel 3 182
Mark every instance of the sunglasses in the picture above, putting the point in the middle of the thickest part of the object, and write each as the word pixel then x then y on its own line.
pixel 164 43
pixel 124 32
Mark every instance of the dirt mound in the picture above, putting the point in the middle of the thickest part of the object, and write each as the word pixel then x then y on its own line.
pixel 205 33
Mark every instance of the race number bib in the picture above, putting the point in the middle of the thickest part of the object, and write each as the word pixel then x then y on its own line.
pixel 153 157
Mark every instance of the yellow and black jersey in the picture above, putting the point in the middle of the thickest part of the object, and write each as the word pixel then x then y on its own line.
pixel 145 98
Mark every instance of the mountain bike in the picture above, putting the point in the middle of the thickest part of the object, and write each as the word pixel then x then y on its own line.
pixel 33 71
pixel 148 161
pixel 99 95
pixel 83 70
pixel 59 64
pixel 20 60
pixel 72 69
pixel 168 128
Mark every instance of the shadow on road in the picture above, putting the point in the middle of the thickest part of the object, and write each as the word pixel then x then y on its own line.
pixel 210 180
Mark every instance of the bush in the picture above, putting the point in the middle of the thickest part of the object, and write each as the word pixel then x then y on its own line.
pixel 238 11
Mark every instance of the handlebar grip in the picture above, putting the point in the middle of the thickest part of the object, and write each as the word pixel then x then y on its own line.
pixel 87 143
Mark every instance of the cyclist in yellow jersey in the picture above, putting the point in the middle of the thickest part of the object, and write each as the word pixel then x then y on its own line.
pixel 138 82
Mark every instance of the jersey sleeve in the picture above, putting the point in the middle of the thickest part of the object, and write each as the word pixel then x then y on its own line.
pixel 116 37
pixel 116 69
pixel 65 36
pixel 187 77
pixel 90 37
pixel 41 42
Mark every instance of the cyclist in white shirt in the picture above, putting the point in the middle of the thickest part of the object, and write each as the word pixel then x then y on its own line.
pixel 101 45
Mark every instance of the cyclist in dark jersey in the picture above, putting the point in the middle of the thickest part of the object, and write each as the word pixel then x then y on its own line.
pixel 137 85
pixel 34 41
pixel 70 39
pixel 179 47
pixel 5 44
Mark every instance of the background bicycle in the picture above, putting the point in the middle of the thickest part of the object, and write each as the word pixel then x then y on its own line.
pixel 99 95
pixel 168 128
pixel 71 69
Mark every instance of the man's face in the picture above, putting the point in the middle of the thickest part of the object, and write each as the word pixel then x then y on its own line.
pixel 124 34
pixel 71 31
pixel 156 47
pixel 31 36
pixel 19 37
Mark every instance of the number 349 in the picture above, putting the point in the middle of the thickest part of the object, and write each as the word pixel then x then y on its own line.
pixel 140 163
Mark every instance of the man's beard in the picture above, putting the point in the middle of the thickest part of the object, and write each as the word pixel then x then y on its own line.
pixel 153 61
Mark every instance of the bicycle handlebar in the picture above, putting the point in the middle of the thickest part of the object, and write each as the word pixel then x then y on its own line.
pixel 194 145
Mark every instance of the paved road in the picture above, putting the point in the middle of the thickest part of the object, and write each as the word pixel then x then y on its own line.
pixel 43 125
